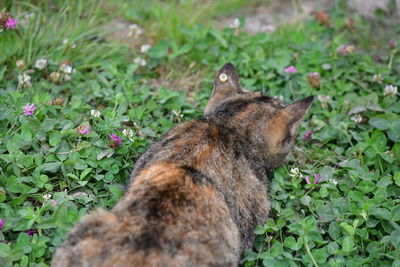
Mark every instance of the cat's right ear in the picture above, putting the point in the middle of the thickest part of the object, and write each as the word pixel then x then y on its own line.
pixel 226 84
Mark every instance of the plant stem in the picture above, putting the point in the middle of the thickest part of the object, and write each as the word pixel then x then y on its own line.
pixel 309 252
pixel 391 60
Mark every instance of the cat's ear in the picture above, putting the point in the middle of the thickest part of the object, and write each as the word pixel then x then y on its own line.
pixel 226 84
pixel 296 112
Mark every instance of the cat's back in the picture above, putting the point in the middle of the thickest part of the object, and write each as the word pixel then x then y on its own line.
pixel 171 214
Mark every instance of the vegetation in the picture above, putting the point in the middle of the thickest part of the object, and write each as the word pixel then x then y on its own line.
pixel 97 104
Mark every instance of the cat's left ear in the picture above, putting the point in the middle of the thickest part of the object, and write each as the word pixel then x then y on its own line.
pixel 226 84
pixel 296 112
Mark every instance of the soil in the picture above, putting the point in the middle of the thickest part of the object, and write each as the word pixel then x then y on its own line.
pixel 269 15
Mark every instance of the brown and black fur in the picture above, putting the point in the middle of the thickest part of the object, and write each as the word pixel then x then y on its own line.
pixel 196 195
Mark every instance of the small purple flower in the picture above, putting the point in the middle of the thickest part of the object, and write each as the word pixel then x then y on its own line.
pixel 54 203
pixel 1 223
pixel 11 23
pixel 116 140
pixel 83 129
pixel 317 178
pixel 29 109
pixel 31 231
pixel 307 135
pixel 290 69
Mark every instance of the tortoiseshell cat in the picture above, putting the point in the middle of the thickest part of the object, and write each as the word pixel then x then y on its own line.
pixel 195 197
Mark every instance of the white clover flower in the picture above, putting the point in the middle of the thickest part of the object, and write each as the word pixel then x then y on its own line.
pixel 178 115
pixel 377 78
pixel 176 112
pixel 145 48
pixel 46 197
pixel 41 63
pixel 66 78
pixel 140 61
pixel 235 24
pixel 324 100
pixel 65 41
pixel 20 64
pixel 390 90
pixel 295 172
pixel 134 31
pixel 128 133
pixel 67 69
pixel 356 118
pixel 95 113
pixel 24 80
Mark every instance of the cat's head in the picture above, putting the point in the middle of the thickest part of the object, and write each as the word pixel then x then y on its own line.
pixel 265 125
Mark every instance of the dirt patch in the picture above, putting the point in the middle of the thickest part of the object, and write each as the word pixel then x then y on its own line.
pixel 266 17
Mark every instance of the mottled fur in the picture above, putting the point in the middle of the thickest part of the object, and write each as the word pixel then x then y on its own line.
pixel 195 196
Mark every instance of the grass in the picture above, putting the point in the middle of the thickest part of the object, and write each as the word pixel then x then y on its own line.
pixel 172 19
pixel 51 175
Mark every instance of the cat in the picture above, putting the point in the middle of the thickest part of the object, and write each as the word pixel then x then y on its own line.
pixel 196 195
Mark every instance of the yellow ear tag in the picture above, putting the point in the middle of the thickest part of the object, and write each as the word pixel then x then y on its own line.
pixel 223 78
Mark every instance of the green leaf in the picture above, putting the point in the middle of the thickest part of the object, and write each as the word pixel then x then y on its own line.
pixel 379 123
pixel 116 191
pixel 259 230
pixel 48 124
pixel 14 144
pixel 386 157
pixel 290 242
pixel 395 239
pixel 394 131
pixel 366 186
pixel 334 230
pixel 219 37
pixel 54 139
pixel 159 50
pixel 9 44
pixel 332 248
pixel 347 243
pixel 4 250
pixel 52 167
pixel 320 255
pixel 396 178
pixel 275 263
pixel 305 200
pixel 381 213
pixel 85 172
pixel 347 229
pixel 183 50
pixel 396 213
pixel 276 249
